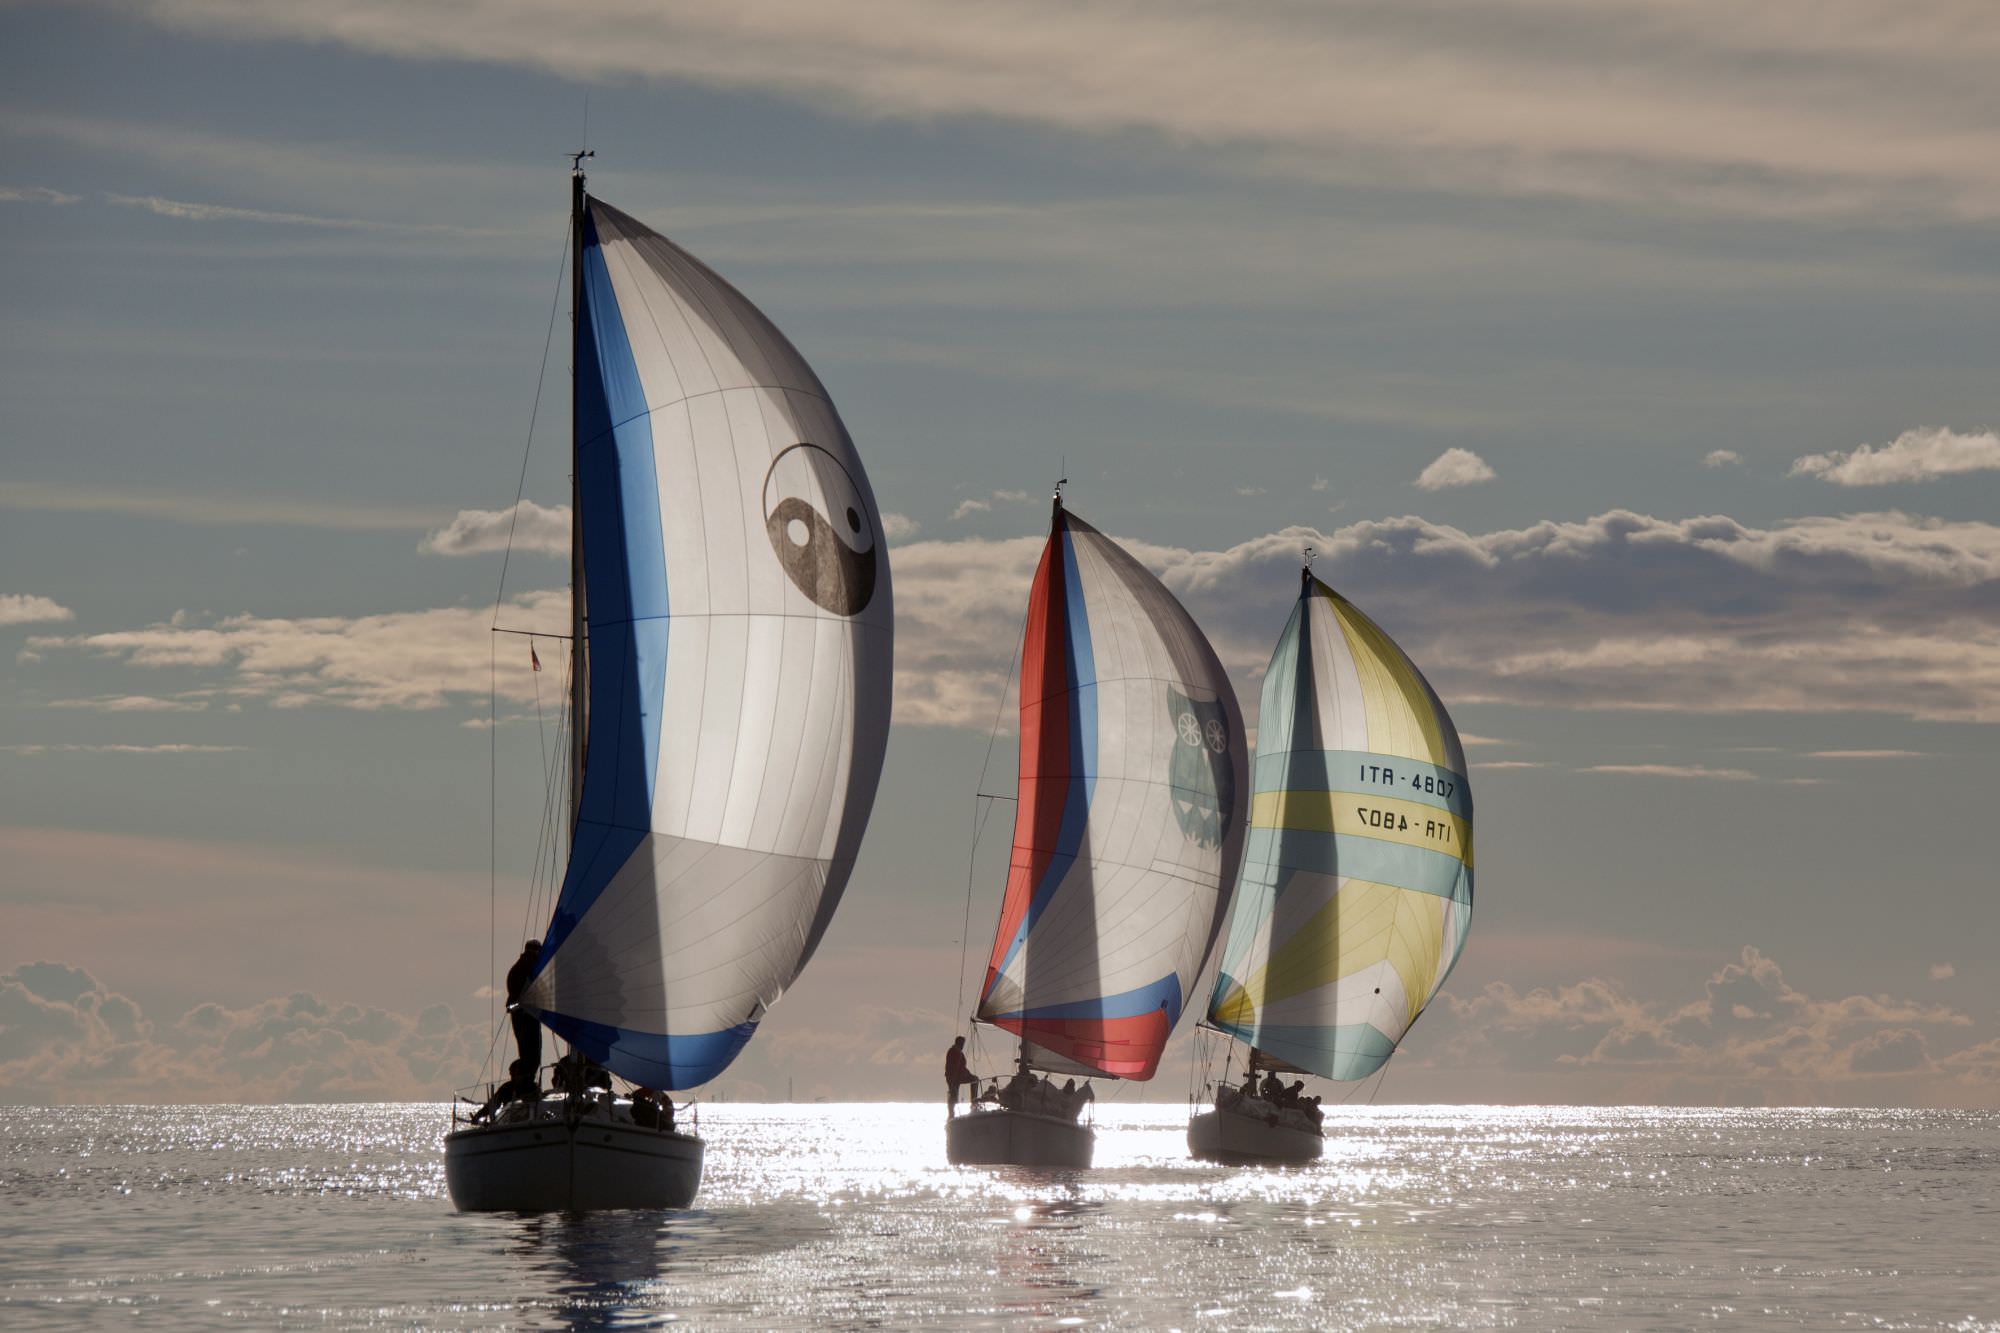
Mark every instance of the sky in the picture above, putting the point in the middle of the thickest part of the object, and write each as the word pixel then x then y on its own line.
pixel 1633 366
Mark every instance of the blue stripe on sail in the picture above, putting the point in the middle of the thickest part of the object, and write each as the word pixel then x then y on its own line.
pixel 625 581
pixel 1350 1051
pixel 1162 994
pixel 1349 771
pixel 1080 674
pixel 653 1059
pixel 1391 863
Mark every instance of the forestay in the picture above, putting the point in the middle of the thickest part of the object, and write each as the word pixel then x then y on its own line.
pixel 1357 880
pixel 1127 828
pixel 740 630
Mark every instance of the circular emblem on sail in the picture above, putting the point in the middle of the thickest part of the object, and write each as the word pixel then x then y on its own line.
pixel 1203 782
pixel 820 529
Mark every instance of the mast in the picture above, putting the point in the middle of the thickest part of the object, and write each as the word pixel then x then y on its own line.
pixel 579 649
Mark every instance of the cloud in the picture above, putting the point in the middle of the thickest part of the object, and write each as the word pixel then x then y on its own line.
pixel 20 608
pixel 67 1037
pixel 1454 468
pixel 1509 763
pixel 1750 1035
pixel 192 212
pixel 1883 612
pixel 1923 454
pixel 1866 754
pixel 529 526
pixel 56 497
pixel 1942 972
pixel 1674 771
pixel 1722 458
pixel 967 507
pixel 132 703
pixel 1873 612
pixel 396 660
pixel 1769 109
pixel 1321 484
pixel 173 748
pixel 36 194
pixel 1250 490
pixel 900 527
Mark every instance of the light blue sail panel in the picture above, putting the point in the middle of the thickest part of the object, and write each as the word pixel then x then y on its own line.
pixel 740 626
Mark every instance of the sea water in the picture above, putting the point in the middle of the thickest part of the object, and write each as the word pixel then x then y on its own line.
pixel 847 1216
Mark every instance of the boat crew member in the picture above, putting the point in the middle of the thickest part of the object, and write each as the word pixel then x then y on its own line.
pixel 956 1076
pixel 519 1087
pixel 527 1028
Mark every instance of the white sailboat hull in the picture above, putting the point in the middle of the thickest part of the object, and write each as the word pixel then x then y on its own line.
pixel 1017 1138
pixel 1250 1140
pixel 554 1165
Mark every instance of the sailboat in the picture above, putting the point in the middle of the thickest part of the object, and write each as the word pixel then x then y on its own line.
pixel 1356 888
pixel 1126 834
pixel 732 640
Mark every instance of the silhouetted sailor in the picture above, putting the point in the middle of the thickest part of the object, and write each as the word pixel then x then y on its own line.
pixel 527 1028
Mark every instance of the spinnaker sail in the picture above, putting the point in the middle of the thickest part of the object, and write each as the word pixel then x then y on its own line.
pixel 1128 827
pixel 740 649
pixel 1356 889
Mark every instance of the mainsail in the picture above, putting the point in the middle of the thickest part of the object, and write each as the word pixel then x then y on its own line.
pixel 1128 827
pixel 1357 882
pixel 740 639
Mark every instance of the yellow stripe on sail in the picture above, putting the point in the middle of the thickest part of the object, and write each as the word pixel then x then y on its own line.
pixel 1387 818
pixel 1401 718
pixel 1343 937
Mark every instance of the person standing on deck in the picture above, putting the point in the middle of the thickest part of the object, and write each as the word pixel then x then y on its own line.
pixel 527 1028
pixel 956 1075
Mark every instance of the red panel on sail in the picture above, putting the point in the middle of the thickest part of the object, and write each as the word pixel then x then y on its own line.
pixel 1121 1047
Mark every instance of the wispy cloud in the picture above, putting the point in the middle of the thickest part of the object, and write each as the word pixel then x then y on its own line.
pixel 1767 110
pixel 36 194
pixel 966 508
pixel 219 510
pixel 124 749
pixel 132 703
pixel 186 211
pixel 1722 458
pixel 20 608
pixel 1866 754
pixel 1454 468
pixel 1923 454
pixel 1674 771
pixel 1942 972
pixel 529 526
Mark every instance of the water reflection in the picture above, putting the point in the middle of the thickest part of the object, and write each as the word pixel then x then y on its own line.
pixel 598 1270
pixel 1043 1256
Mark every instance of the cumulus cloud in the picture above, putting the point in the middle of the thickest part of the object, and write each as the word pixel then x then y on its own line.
pixel 1722 458
pixel 19 608
pixel 1943 971
pixel 1750 1034
pixel 968 507
pixel 900 527
pixel 1764 109
pixel 1453 468
pixel 1923 454
pixel 1874 612
pixel 67 1037
pixel 530 527
pixel 1881 612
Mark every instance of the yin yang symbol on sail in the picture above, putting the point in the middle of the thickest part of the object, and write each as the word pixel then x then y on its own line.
pixel 828 549
pixel 1204 784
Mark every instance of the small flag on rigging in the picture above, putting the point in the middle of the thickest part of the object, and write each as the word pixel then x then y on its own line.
pixel 534 658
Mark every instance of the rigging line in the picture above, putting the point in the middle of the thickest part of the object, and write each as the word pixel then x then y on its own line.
pixel 980 813
pixel 534 412
pixel 492 834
